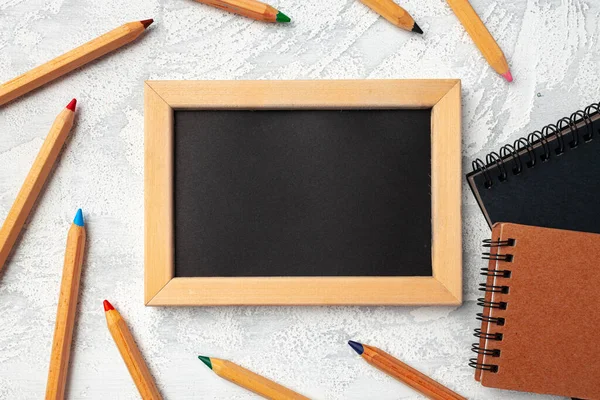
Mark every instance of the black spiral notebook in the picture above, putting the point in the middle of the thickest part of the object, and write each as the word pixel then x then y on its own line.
pixel 550 178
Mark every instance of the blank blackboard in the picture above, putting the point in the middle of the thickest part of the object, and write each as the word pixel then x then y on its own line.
pixel 336 192
pixel 302 193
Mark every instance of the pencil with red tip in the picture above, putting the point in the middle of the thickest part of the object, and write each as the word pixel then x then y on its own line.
pixel 67 307
pixel 131 354
pixel 35 180
pixel 71 60
pixel 404 373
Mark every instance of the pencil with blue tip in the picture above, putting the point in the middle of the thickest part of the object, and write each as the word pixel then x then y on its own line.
pixel 249 380
pixel 67 308
pixel 404 373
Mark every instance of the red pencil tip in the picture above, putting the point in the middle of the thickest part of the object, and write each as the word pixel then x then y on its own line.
pixel 147 22
pixel 72 104
pixel 108 306
pixel 508 76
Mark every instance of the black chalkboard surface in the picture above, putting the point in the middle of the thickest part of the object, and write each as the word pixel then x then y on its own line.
pixel 302 193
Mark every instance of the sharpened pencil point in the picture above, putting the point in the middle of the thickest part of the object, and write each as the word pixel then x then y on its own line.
pixel 72 104
pixel 417 29
pixel 107 306
pixel 79 218
pixel 206 360
pixel 281 17
pixel 357 347
pixel 147 23
pixel 508 76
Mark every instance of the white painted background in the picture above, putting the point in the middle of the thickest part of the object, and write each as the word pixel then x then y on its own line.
pixel 552 47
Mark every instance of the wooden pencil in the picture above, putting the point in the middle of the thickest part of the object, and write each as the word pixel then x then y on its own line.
pixel 131 354
pixel 481 36
pixel 35 180
pixel 393 13
pixel 249 8
pixel 408 375
pixel 67 307
pixel 249 380
pixel 71 60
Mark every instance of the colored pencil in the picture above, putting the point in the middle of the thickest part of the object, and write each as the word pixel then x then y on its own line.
pixel 35 180
pixel 131 354
pixel 71 60
pixel 408 375
pixel 67 307
pixel 249 8
pixel 393 13
pixel 481 36
pixel 249 380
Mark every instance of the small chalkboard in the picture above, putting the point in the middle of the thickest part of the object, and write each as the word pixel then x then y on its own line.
pixel 264 200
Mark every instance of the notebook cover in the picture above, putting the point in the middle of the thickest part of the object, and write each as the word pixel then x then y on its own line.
pixel 550 332
pixel 555 193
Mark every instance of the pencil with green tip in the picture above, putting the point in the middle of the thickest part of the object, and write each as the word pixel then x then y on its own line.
pixel 249 380
pixel 404 373
pixel 249 8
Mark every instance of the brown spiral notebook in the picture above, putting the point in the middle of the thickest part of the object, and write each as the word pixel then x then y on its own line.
pixel 540 318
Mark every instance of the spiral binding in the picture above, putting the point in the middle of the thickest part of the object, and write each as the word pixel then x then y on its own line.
pixel 500 305
pixel 552 140
pixel 498 243
pixel 498 257
pixel 486 304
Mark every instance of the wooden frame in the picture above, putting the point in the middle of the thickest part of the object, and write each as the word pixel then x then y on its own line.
pixel 442 96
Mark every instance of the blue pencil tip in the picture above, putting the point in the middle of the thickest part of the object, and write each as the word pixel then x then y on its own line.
pixel 78 218
pixel 357 347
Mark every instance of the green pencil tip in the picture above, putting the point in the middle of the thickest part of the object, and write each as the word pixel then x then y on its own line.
pixel 206 360
pixel 281 17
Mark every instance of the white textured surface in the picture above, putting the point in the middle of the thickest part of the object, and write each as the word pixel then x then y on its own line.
pixel 553 50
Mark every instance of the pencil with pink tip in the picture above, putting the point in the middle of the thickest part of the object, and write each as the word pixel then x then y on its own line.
pixel 481 36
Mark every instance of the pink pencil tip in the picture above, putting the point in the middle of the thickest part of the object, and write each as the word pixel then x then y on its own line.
pixel 108 306
pixel 72 104
pixel 147 22
pixel 508 76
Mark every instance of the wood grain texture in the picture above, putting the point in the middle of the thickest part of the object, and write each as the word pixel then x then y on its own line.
pixel 252 381
pixel 443 96
pixel 34 182
pixel 372 93
pixel 248 8
pixel 69 61
pixel 65 315
pixel 131 355
pixel 481 36
pixel 446 177
pixel 304 291
pixel 158 193
pixel 408 375
pixel 392 12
